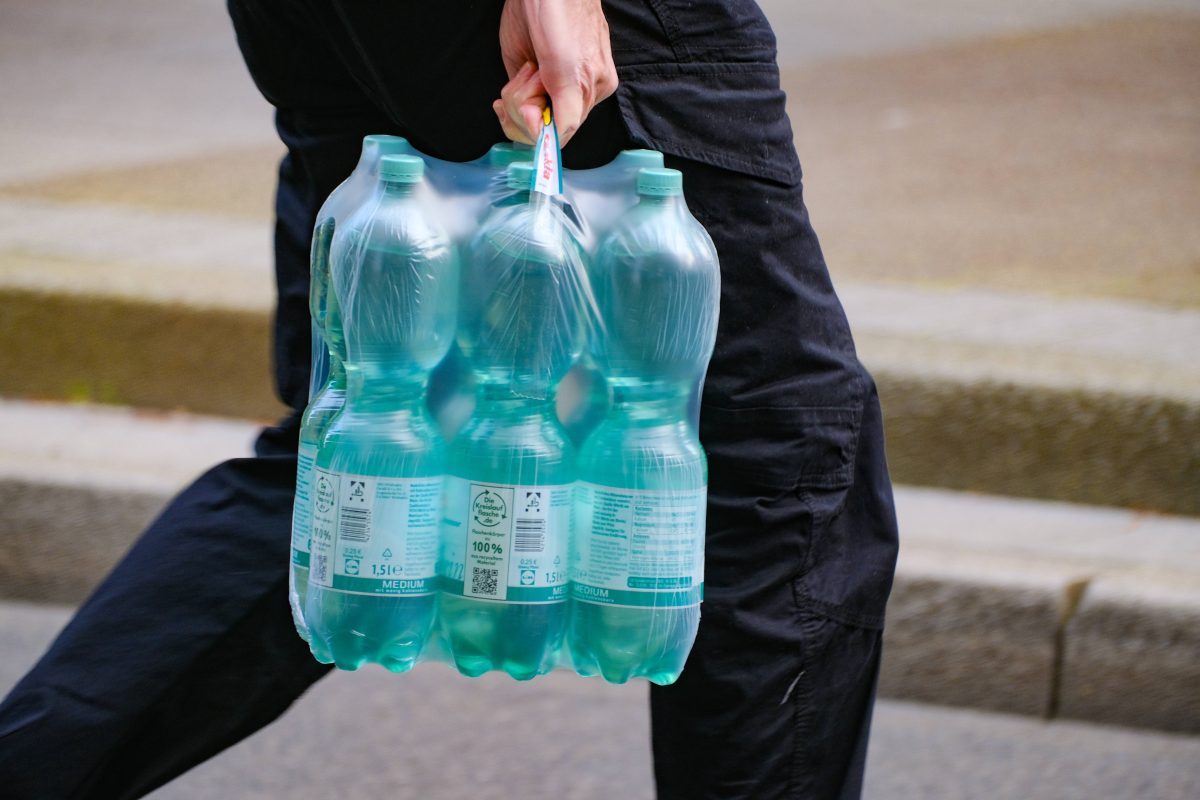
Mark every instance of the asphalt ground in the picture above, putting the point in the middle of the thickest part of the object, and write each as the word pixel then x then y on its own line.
pixel 432 734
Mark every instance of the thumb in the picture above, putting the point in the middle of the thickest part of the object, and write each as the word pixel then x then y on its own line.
pixel 531 115
pixel 568 106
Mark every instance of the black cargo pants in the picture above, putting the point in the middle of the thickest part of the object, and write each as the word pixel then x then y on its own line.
pixel 173 659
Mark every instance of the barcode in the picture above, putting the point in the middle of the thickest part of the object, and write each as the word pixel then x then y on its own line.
pixel 355 524
pixel 529 535
pixel 485 581
pixel 321 569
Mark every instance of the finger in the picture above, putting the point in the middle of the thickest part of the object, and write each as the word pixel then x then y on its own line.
pixel 522 74
pixel 531 115
pixel 523 98
pixel 511 130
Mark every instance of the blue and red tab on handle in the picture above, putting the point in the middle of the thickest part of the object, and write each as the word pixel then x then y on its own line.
pixel 547 158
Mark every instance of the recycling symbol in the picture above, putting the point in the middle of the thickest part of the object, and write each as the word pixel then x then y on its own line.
pixel 387 553
pixel 489 509
pixel 325 496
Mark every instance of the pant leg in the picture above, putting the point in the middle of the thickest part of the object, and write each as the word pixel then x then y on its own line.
pixel 185 648
pixel 776 698
pixel 188 645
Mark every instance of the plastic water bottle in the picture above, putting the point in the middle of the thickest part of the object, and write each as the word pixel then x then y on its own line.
pixel 322 409
pixel 327 386
pixel 582 398
pixel 377 484
pixel 508 496
pixel 343 201
pixel 637 555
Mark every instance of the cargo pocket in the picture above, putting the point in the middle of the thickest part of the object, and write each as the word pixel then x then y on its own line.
pixel 761 462
pixel 726 115
pixel 790 448
pixel 852 559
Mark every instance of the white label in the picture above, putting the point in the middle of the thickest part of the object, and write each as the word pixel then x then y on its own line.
pixel 547 159
pixel 506 542
pixel 374 535
pixel 302 509
pixel 638 547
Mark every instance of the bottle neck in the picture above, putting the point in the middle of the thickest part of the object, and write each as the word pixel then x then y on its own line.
pixel 649 403
pixel 399 188
pixel 493 399
pixel 337 373
pixel 335 343
pixel 659 201
pixel 372 389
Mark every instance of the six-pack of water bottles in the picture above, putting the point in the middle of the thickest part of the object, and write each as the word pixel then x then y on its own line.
pixel 499 465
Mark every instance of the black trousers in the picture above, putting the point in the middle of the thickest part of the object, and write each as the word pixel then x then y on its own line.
pixel 188 645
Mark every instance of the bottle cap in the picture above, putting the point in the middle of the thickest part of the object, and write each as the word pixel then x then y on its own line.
pixel 505 153
pixel 385 144
pixel 520 175
pixel 401 169
pixel 638 159
pixel 659 182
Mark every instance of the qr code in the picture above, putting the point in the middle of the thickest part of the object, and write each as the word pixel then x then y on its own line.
pixel 485 581
pixel 321 569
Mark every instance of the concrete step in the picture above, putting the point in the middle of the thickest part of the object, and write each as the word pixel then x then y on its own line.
pixel 593 742
pixel 1015 605
pixel 1093 401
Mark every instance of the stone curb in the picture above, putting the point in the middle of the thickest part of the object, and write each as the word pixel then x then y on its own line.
pixel 1027 438
pixel 1068 625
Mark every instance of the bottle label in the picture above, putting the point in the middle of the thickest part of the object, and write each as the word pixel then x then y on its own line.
pixel 374 535
pixel 302 509
pixel 638 548
pixel 547 158
pixel 506 542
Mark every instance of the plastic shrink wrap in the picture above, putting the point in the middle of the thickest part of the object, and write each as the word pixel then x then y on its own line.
pixel 499 467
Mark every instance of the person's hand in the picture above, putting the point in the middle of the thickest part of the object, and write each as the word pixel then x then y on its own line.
pixel 555 50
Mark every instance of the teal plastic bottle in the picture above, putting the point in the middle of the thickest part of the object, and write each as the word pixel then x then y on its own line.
pixel 583 397
pixel 343 201
pixel 377 483
pixel 322 409
pixel 637 556
pixel 508 496
pixel 327 384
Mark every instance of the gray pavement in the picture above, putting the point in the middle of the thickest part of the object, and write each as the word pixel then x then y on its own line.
pixel 87 86
pixel 434 734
